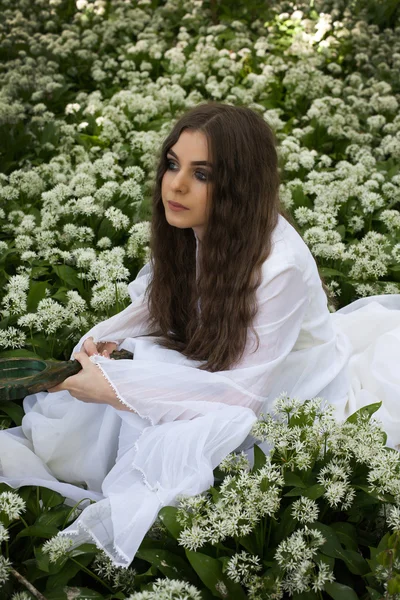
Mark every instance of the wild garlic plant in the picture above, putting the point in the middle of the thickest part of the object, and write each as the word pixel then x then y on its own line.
pixel 315 512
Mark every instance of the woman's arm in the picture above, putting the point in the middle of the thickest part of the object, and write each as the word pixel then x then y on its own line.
pixel 162 391
pixel 89 385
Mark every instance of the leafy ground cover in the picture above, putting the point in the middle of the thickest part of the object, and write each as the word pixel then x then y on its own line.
pixel 88 90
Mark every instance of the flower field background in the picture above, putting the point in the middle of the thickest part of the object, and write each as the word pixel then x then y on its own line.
pixel 88 91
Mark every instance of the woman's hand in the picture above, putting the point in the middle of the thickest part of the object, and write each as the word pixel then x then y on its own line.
pixel 103 348
pixel 89 385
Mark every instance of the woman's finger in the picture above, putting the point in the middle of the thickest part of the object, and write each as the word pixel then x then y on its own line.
pixel 90 347
pixel 83 359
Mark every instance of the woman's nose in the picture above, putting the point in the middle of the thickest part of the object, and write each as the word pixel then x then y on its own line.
pixel 179 182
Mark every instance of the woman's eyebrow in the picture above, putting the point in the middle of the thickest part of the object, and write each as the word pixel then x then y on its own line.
pixel 194 162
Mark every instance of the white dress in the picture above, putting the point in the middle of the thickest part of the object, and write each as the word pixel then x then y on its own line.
pixel 187 420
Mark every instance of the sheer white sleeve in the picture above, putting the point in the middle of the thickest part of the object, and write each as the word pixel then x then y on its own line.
pixel 164 390
pixel 130 322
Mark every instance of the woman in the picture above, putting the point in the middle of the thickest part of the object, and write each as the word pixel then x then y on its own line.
pixel 229 313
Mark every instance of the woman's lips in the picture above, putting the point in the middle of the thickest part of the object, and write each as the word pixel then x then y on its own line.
pixel 174 206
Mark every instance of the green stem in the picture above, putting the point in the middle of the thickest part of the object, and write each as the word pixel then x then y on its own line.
pixel 24 522
pixel 32 342
pixel 89 572
pixel 269 532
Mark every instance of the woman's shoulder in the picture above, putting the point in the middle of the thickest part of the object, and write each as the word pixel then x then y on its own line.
pixel 288 247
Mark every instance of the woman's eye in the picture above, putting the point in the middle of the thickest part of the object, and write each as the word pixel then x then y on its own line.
pixel 169 163
pixel 199 174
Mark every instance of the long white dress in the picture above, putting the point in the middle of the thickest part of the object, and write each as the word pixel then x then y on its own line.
pixel 187 420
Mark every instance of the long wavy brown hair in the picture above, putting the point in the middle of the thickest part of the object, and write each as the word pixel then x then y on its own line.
pixel 243 210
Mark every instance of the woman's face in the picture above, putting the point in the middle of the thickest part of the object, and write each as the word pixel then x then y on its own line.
pixel 187 182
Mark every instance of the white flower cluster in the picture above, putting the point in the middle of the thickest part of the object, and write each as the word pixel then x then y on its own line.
pixel 234 463
pixel 4 569
pixel 242 566
pixel 244 499
pixel 168 589
pixel 123 579
pixel 296 556
pixel 297 445
pixel 57 547
pixel 11 505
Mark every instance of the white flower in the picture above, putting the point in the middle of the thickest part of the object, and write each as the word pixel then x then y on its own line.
pixel 140 236
pixel 4 535
pixel 11 337
pixel 104 243
pixel 15 299
pixel 12 505
pixel 242 566
pixel 393 517
pixel 391 218
pixel 57 547
pixel 5 566
pixel 305 510
pixel 73 107
pixel 117 217
pixel 21 596
pixel 324 575
pixel 234 462
pixel 168 589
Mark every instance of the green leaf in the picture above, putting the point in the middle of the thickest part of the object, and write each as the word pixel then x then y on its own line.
pixel 54 517
pixel 210 572
pixel 51 498
pixel 42 560
pixel 41 531
pixel 374 594
pixel 375 495
pixel 354 562
pixel 37 291
pixel 259 458
pixel 293 480
pixel 337 591
pixel 167 516
pixel 171 565
pixel 68 571
pixel 297 491
pixel 69 275
pixel 383 544
pixel 347 534
pixel 12 410
pixel 364 411
pixel 313 492
pixel 332 545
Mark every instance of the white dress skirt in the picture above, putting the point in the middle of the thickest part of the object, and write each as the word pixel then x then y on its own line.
pixel 183 421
